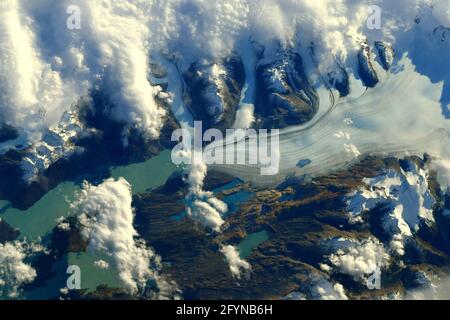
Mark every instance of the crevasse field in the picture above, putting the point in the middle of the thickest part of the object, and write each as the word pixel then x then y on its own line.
pixel 354 95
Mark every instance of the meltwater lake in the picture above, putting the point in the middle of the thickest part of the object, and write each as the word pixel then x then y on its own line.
pixel 38 221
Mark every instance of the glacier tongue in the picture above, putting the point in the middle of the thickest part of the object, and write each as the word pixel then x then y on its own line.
pixel 385 120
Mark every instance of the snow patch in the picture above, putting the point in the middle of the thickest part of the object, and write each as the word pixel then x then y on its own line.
pixel 406 198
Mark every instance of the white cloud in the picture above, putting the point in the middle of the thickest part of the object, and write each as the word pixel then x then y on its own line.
pixel 237 265
pixel 335 27
pixel 358 259
pixel 48 67
pixel 198 27
pixel 101 264
pixel 202 206
pixel 442 168
pixel 32 94
pixel 62 224
pixel 44 67
pixel 106 216
pixel 244 117
pixel 121 40
pixel 325 290
pixel 14 270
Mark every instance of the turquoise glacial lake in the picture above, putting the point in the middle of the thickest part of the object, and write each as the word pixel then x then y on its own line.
pixel 39 220
pixel 251 241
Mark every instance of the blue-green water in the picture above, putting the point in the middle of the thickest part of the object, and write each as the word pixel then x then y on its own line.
pixel 90 277
pixel 251 241
pixel 39 220
pixel 149 174
pixel 233 201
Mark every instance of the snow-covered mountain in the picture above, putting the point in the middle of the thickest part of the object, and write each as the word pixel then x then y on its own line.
pixel 323 46
pixel 85 85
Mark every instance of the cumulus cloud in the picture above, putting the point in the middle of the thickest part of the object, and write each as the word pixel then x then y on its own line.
pixel 14 270
pixel 244 117
pixel 101 264
pixel 325 290
pixel 62 224
pixel 442 168
pixel 237 265
pixel 122 43
pixel 202 206
pixel 358 259
pixel 106 216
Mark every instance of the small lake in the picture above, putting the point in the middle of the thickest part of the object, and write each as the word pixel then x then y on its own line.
pixel 251 241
